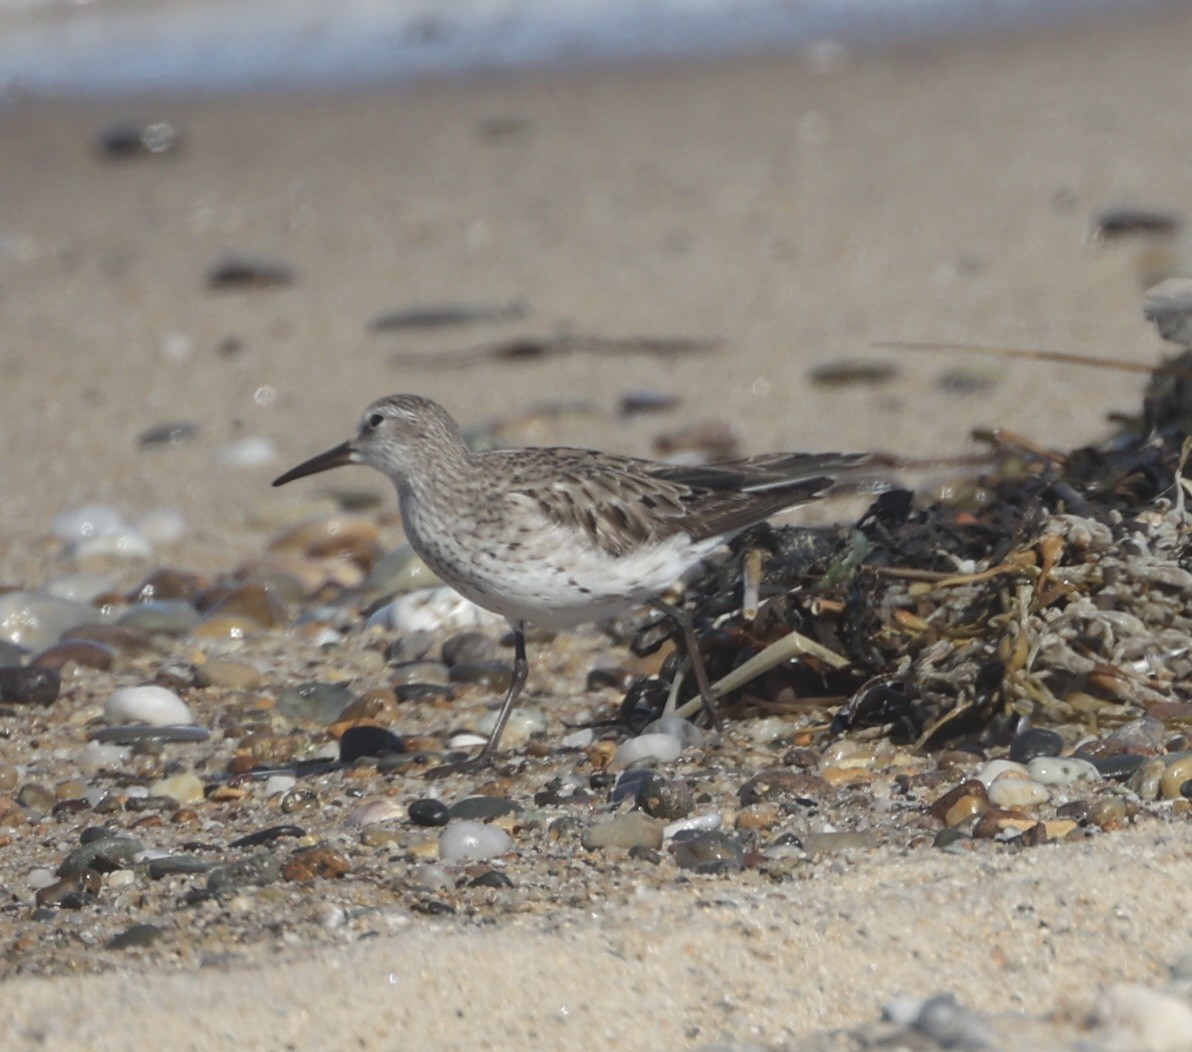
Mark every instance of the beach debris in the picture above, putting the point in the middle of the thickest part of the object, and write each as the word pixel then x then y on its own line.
pixel 448 315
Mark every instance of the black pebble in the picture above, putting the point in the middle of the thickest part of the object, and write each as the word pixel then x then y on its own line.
pixel 1038 741
pixel 368 741
pixel 429 812
pixel 29 686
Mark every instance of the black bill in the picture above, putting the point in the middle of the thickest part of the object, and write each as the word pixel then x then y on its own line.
pixel 333 458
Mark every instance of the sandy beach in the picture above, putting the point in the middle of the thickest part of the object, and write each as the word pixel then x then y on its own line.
pixel 796 210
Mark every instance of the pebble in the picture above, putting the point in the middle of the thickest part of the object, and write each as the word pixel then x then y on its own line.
pixel 34 620
pixel 90 520
pixel 709 852
pixel 78 652
pixel 662 748
pixel 524 723
pixel 247 272
pixel 1178 772
pixel 125 544
pixel 694 824
pixel 665 798
pixel 314 862
pixel 374 812
pixel 992 770
pixel 1147 779
pixel 360 741
pixel 831 843
pixel 431 610
pixel 184 787
pixel 1011 791
pixel 254 871
pixel 126 141
pixel 11 655
pixel 135 734
pixel 177 865
pixel 686 732
pixel 251 451
pixel 229 675
pixel 108 853
pixel 462 841
pixel 1108 813
pixel 1140 1018
pixel 315 702
pixel 399 572
pixel 468 647
pixel 483 808
pixel 167 617
pixel 153 705
pixel 1054 770
pixel 495 675
pixel 961 802
pixel 1035 742
pixel 80 586
pixel 138 936
pixel 163 526
pixel 1119 767
pixel 31 685
pixel 72 892
pixel 634 829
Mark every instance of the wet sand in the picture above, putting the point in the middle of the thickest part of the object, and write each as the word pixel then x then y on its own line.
pixel 940 192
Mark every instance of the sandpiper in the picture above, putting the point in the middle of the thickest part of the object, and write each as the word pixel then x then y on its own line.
pixel 559 536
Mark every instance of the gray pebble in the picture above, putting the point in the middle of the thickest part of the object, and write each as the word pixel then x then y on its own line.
pixel 254 871
pixel 104 855
pixel 630 830
pixel 167 617
pixel 31 685
pixel 708 852
pixel 315 702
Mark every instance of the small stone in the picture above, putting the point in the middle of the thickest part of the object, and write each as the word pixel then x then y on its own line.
pixel 72 892
pixel 1178 772
pixel 1139 1018
pixel 38 798
pixel 468 647
pixel 1146 780
pixel 126 141
pixel 78 652
pixel 314 862
pixel 495 675
pixel 167 617
pixel 662 748
pixel 625 831
pixel 30 685
pixel 993 769
pixel 374 812
pixel 1062 771
pixel 483 808
pixel 251 600
pixel 665 798
pixel 1038 741
pixel 185 788
pixel 178 865
pixel 950 804
pixel 229 675
pixel 110 852
pixel 34 620
pixel 831 843
pixel 709 852
pixel 315 702
pixel 246 272
pixel 254 871
pixel 136 937
pixel 429 812
pixel 432 610
pixel 139 734
pixel 268 836
pixel 461 841
pixel 782 784
pixel 1120 766
pixel 1009 791
pixel 155 706
pixel 360 741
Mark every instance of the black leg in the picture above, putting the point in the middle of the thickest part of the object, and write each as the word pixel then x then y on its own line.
pixel 680 618
pixel 521 668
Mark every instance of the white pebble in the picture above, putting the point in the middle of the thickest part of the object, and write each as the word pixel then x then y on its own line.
pixel 120 879
pixel 95 756
pixel 1012 791
pixel 252 451
pixel 1140 1018
pixel 579 739
pixel 184 787
pixel 677 727
pixel 36 879
pixel 91 520
pixel 279 783
pixel 662 747
pixel 373 812
pixel 523 724
pixel 466 740
pixel 1067 770
pixel 34 620
pixel 80 587
pixel 469 840
pixel 149 704
pixel 119 544
pixel 430 609
pixel 161 525
pixel 995 768
pixel 700 823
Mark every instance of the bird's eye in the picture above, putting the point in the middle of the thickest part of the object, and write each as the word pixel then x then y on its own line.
pixel 375 421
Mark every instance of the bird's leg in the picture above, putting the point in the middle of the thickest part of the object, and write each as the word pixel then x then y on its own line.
pixel 521 669
pixel 683 620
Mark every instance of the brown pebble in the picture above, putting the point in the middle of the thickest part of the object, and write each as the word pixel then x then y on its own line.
pixel 758 816
pixel 11 813
pixel 1108 813
pixel 778 783
pixel 378 705
pixel 350 537
pixel 115 637
pixel 80 652
pixel 972 789
pixel 1177 773
pixel 166 584
pixel 998 819
pixel 231 675
pixel 225 626
pixel 9 776
pixel 251 600
pixel 72 892
pixel 314 862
